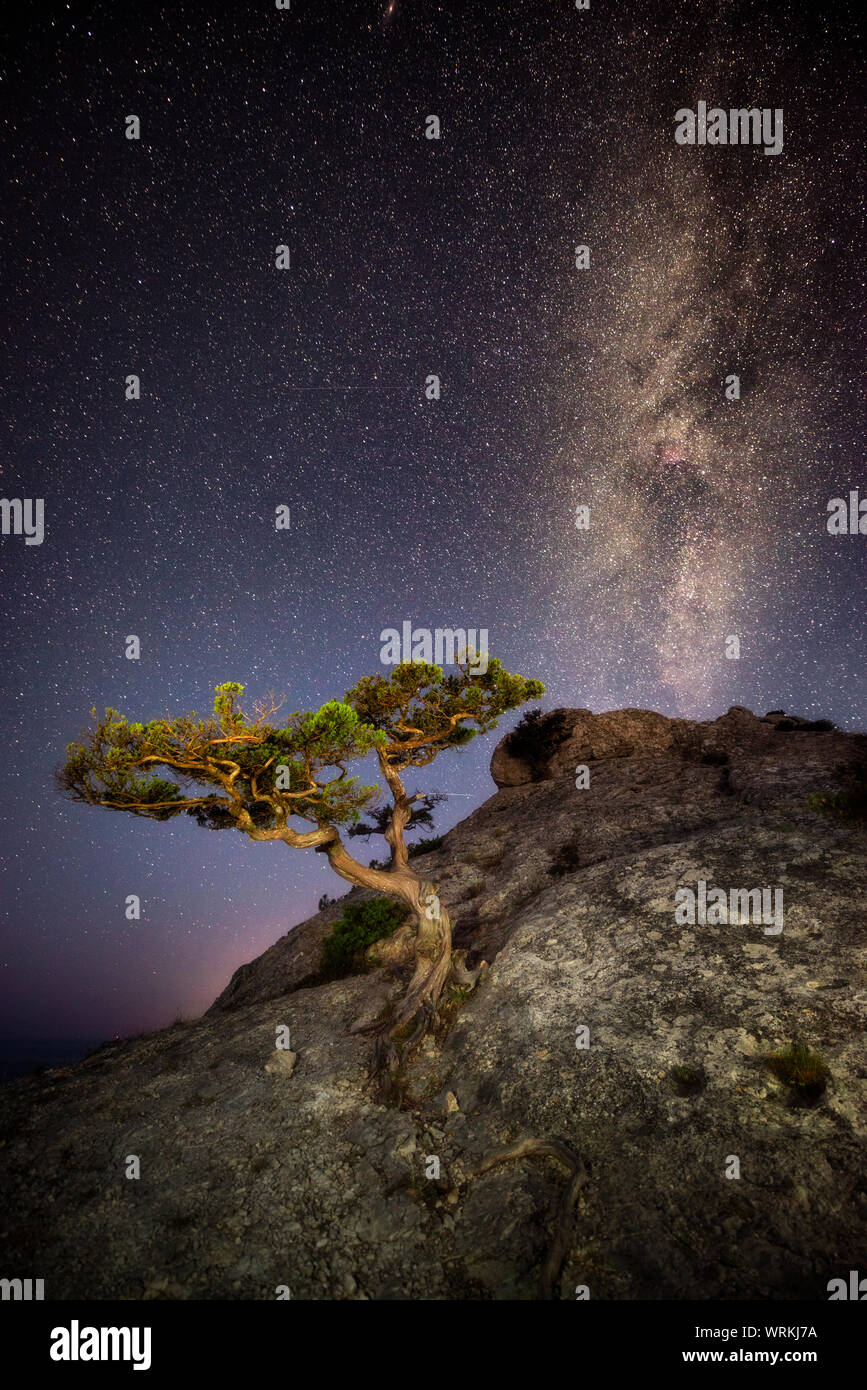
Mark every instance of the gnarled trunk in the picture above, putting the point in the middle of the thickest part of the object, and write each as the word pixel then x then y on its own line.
pixel 435 964
pixel 416 1014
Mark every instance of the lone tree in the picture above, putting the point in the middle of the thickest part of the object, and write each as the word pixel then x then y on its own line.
pixel 247 772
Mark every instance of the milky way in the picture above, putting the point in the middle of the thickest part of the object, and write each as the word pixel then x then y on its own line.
pixel 707 512
pixel 409 256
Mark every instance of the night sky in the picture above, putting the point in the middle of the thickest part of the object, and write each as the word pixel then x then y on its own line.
pixel 306 388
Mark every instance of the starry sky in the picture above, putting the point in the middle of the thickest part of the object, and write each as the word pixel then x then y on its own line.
pixel 305 387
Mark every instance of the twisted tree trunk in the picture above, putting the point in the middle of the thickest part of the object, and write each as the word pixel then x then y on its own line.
pixel 436 964
pixel 417 1013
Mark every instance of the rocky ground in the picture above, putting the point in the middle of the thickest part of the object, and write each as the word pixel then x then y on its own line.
pixel 254 1178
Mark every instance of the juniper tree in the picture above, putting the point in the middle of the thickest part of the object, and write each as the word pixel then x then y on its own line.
pixel 263 776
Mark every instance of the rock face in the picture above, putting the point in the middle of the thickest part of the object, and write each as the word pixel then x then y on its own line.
pixel 604 1021
pixel 577 735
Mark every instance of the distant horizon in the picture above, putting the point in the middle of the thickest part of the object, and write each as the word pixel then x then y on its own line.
pixel 21 1056
pixel 46 1037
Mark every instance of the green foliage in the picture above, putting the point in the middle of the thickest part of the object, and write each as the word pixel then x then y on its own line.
pixel 687 1079
pixel 360 925
pixel 805 1072
pixel 849 801
pixel 227 767
pixel 242 770
pixel 453 1000
pixel 157 793
pixel 224 699
pixel 422 711
pixel 537 737
pixel 425 846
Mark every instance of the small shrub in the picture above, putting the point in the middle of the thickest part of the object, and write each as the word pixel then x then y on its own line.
pixel 452 1001
pixel 325 902
pixel 537 737
pixel 849 801
pixel 361 925
pixel 687 1079
pixel 425 846
pixel 180 1220
pixel 809 726
pixel 567 857
pixel 715 757
pixel 420 847
pixel 803 1071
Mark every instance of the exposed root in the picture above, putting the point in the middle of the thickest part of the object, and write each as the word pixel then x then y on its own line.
pixel 579 1175
pixel 417 1015
pixel 461 976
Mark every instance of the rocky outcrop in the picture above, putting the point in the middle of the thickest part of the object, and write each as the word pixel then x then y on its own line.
pixel 565 738
pixel 638 1040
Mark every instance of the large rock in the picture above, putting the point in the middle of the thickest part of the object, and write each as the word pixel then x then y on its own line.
pixel 565 738
pixel 569 737
pixel 250 1181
